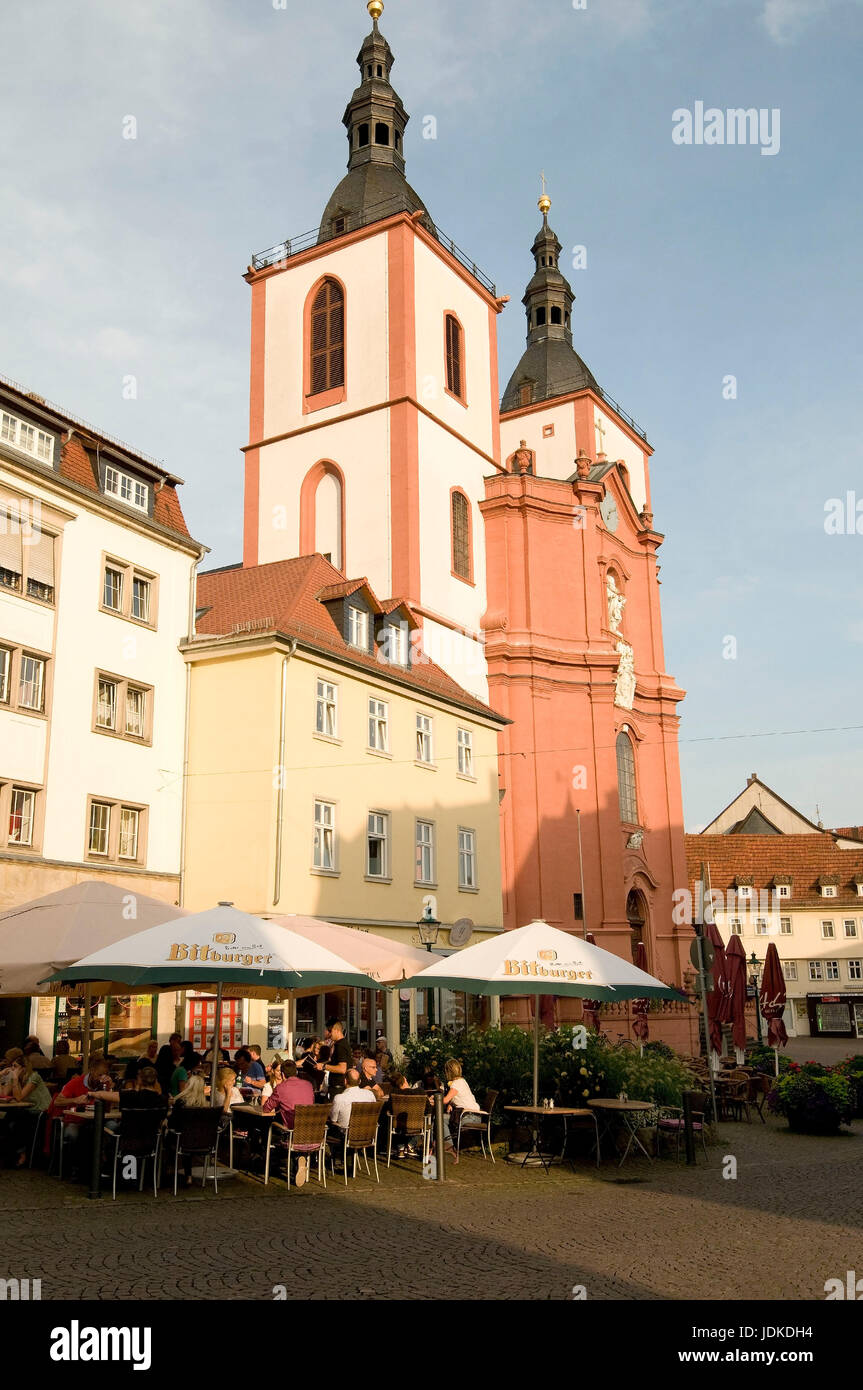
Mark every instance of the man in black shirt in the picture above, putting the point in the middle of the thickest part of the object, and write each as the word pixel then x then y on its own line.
pixel 341 1057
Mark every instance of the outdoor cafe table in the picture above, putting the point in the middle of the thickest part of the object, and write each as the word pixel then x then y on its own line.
pixel 263 1119
pixel 627 1111
pixel 538 1113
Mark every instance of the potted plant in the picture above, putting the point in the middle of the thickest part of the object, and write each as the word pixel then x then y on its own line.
pixel 813 1104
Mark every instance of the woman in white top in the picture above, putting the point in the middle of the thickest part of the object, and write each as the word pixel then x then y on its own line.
pixel 459 1097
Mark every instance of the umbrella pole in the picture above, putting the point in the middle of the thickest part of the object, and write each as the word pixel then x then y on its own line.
pixel 776 1060
pixel 217 1035
pixel 85 1036
pixel 536 1049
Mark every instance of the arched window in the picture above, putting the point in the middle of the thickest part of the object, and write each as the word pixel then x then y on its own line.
pixel 327 351
pixel 363 134
pixel 540 317
pixel 322 512
pixel 556 315
pixel 461 537
pixel 382 133
pixel 626 779
pixel 454 354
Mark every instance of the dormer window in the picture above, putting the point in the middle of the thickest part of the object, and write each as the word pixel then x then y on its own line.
pixel 783 890
pixel 27 438
pixel 828 890
pixel 358 628
pixel 394 643
pixel 744 890
pixel 126 488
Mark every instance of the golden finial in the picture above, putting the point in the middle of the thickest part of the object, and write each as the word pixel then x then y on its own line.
pixel 375 9
pixel 544 203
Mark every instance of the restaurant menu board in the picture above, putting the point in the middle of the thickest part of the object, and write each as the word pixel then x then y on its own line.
pixel 275 1030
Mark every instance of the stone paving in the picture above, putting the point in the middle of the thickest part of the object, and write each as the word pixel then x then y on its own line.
pixel 790 1220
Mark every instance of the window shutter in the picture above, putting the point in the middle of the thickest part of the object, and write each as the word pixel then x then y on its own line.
pixel 10 543
pixel 41 560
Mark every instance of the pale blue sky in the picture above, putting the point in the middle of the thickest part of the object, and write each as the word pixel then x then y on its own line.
pixel 125 257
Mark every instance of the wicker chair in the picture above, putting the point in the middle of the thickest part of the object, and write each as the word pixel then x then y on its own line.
pixel 361 1135
pixel 671 1123
pixel 408 1119
pixel 737 1094
pixel 195 1134
pixel 478 1121
pixel 140 1137
pixel 307 1138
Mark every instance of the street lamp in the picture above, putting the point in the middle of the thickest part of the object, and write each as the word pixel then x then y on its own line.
pixel 755 965
pixel 428 927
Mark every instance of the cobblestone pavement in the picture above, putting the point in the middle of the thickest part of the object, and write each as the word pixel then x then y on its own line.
pixel 789 1221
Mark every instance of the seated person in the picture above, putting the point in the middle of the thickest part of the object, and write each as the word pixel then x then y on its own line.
pixel 458 1097
pixel 430 1082
pixel 228 1092
pixel 398 1082
pixel 146 1059
pixel 291 1091
pixel 16 1126
pixel 63 1062
pixel 353 1094
pixel 147 1093
pixel 255 1074
pixel 371 1076
pixel 383 1056
pixel 223 1055
pixel 193 1096
pixel 33 1050
pixel 184 1068
pixel 7 1075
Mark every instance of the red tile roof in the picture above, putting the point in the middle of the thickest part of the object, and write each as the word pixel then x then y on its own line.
pixel 803 858
pixel 76 465
pixel 286 597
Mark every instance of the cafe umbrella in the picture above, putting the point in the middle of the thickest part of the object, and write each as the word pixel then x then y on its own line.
pixel 733 1003
pixel 640 1025
pixel 772 998
pixel 539 959
pixel 215 948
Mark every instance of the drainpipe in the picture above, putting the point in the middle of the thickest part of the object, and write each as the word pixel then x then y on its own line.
pixel 280 799
pixel 180 1004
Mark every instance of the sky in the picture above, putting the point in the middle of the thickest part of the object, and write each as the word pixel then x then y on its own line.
pixel 123 257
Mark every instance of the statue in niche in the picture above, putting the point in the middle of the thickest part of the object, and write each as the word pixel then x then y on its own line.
pixel 616 603
pixel 624 688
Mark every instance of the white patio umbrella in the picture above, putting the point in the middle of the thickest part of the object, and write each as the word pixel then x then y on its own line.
pixel 218 947
pixel 539 959
pixel 386 961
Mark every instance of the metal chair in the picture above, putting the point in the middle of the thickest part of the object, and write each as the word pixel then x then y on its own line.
pixel 577 1115
pixel 737 1093
pixel 408 1119
pixel 361 1135
pixel 195 1133
pixel 37 1130
pixel 139 1136
pixel 307 1138
pixel 479 1120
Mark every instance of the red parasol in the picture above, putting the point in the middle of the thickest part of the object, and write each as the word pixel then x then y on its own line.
pixel 733 1002
pixel 715 998
pixel 640 1026
pixel 590 1007
pixel 772 997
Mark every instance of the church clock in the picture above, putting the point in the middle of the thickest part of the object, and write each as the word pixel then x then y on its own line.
pixel 608 512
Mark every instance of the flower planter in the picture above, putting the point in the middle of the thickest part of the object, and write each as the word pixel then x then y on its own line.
pixel 803 1121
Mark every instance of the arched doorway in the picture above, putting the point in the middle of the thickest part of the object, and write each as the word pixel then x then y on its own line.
pixel 636 916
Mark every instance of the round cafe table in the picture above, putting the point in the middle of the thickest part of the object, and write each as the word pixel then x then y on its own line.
pixel 538 1113
pixel 627 1112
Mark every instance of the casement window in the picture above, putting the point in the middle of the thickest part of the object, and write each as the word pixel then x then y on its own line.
pixel 828 890
pixel 785 928
pixel 327 339
pixel 855 970
pixel 425 852
pixel 122 707
pixel 462 561
pixel 379 726
pixel 626 791
pixel 327 710
pixel 24 680
pixel 128 592
pixel 115 831
pixel 831 970
pixel 454 356
pixel 28 438
pixel 377 845
pixel 783 890
pixel 850 927
pixel 789 969
pixel 22 814
pixel 325 836
pixel 827 930
pixel 465 753
pixel 31 683
pixel 744 891
pixel 425 747
pixel 761 926
pixel 467 859
pixel 815 970
pixel 26 555
pixel 735 927
pixel 126 488
pixel 393 644
pixel 358 628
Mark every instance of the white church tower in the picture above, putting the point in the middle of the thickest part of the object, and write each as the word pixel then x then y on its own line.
pixel 374 410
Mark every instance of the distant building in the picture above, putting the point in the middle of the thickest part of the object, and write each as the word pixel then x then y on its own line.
pixel 96 582
pixel 785 879
pixel 335 772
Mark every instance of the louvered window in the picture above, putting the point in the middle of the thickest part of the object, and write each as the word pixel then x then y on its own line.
pixel 454 371
pixel 328 339
pixel 460 535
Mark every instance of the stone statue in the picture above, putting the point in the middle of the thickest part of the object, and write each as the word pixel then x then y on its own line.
pixel 624 692
pixel 616 603
pixel 582 465
pixel 522 459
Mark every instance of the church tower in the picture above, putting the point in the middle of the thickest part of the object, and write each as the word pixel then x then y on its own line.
pixel 374 414
pixel 591 811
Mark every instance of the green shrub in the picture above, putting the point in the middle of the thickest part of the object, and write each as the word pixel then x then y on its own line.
pixel 813 1104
